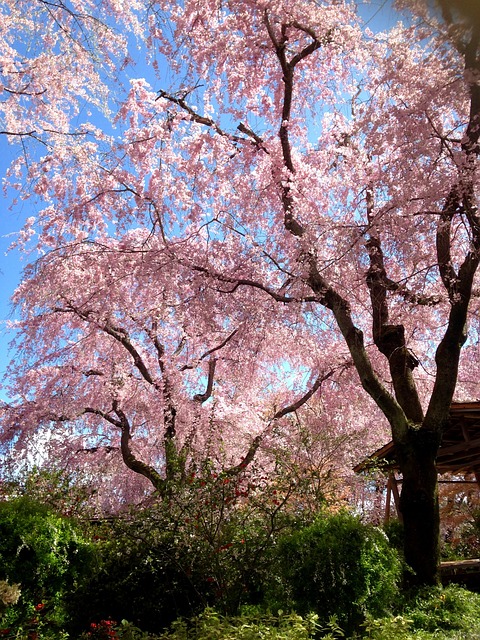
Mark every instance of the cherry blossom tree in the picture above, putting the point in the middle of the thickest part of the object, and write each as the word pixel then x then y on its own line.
pixel 301 198
pixel 58 60
pixel 126 364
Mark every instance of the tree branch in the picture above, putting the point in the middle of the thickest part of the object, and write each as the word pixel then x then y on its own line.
pixel 209 122
pixel 331 299
pixel 245 282
pixel 443 240
pixel 118 333
pixel 389 338
pixel 291 408
pixel 203 397
pixel 131 461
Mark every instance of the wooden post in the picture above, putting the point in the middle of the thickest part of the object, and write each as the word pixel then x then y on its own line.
pixel 396 495
pixel 386 518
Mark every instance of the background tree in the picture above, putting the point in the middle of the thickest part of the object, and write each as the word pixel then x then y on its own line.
pixel 284 174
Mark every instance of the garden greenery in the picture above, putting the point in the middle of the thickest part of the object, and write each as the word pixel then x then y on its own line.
pixel 222 559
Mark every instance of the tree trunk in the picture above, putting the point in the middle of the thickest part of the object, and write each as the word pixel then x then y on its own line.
pixel 419 506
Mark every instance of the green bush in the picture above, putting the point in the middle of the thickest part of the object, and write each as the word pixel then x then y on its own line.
pixel 430 613
pixel 448 608
pixel 208 545
pixel 140 578
pixel 210 625
pixel 336 567
pixel 45 554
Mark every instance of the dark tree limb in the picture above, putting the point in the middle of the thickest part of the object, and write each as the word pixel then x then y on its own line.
pixel 131 461
pixel 389 338
pixel 203 397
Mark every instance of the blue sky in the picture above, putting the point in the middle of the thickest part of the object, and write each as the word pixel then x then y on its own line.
pixel 11 221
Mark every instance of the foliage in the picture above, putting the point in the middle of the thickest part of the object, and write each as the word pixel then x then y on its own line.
pixel 210 543
pixel 450 612
pixel 337 566
pixel 46 554
pixel 210 625
pixel 243 238
pixel 449 608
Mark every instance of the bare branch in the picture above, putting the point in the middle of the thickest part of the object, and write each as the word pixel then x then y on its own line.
pixel 203 397
pixel 291 408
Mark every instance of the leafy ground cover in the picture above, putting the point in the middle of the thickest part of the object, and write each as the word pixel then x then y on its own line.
pixel 436 614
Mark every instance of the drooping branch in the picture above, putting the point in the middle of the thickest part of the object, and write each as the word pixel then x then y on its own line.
pixel 219 346
pixel 291 408
pixel 203 397
pixel 280 413
pixel 132 462
pixel 247 459
pixel 118 333
pixel 209 351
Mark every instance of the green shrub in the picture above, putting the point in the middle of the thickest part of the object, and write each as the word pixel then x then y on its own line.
pixel 209 545
pixel 337 566
pixel 45 554
pixel 431 613
pixel 448 608
pixel 141 577
pixel 210 625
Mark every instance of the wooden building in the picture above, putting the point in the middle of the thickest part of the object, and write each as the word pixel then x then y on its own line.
pixel 458 455
pixel 458 462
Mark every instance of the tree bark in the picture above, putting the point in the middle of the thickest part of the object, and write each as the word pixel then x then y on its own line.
pixel 419 506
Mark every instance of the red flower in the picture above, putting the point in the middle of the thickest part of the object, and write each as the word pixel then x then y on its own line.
pixel 39 606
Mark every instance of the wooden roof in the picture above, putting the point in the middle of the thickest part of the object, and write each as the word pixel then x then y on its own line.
pixel 459 452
